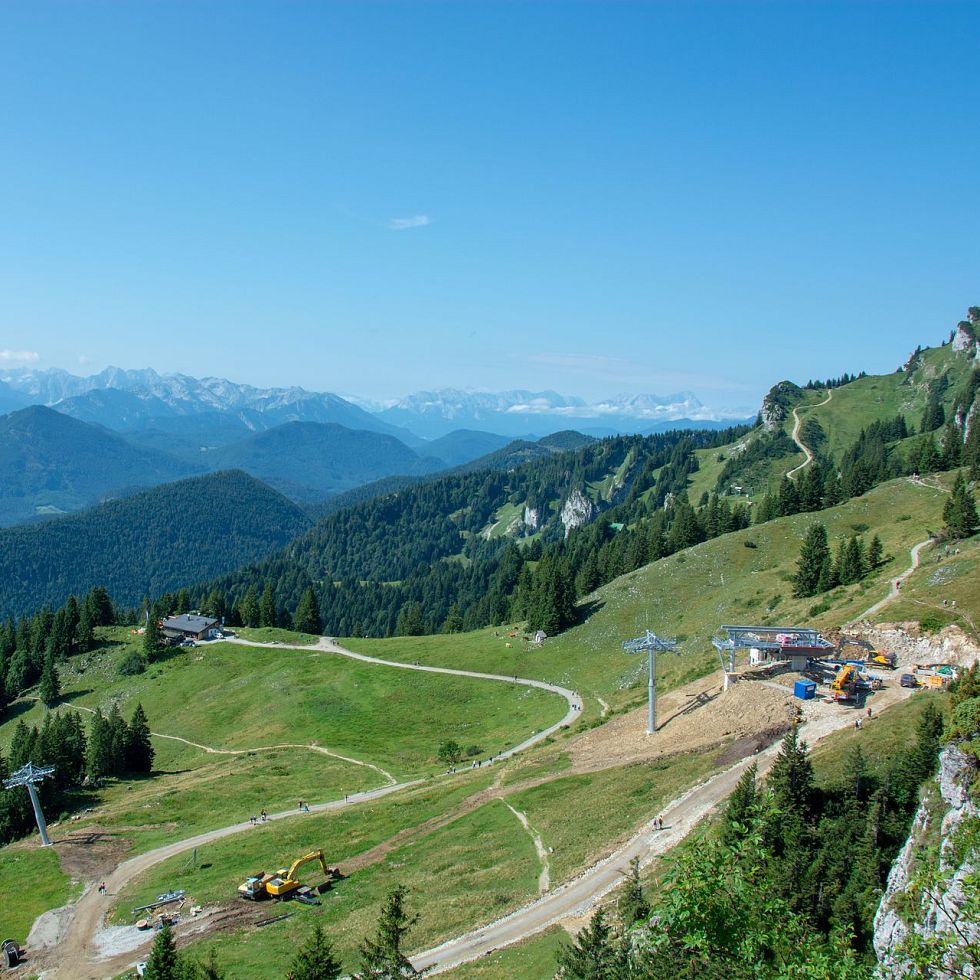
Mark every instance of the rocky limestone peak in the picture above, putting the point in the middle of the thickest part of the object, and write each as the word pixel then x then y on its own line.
pixel 776 404
pixel 577 511
pixel 964 339
pixel 532 519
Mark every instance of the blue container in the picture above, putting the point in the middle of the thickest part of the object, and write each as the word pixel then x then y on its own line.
pixel 804 690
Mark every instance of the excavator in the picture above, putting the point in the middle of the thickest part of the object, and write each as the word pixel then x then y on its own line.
pixel 871 654
pixel 283 884
pixel 844 685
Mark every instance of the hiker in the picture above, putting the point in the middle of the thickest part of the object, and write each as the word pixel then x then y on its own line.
pixel 869 713
pixel 265 816
pixel 857 723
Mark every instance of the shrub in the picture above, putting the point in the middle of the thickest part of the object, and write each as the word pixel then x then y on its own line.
pixel 133 663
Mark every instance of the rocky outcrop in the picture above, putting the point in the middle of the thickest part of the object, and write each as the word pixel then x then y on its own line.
pixel 577 511
pixel 777 403
pixel 532 519
pixel 931 917
pixel 964 338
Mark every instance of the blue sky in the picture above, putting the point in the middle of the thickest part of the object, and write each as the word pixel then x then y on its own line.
pixel 373 198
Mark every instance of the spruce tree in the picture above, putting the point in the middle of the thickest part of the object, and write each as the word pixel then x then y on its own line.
pixel 307 618
pixel 98 751
pixel 248 609
pixel 152 639
pixel 741 807
pixel 50 687
pixel 165 962
pixel 267 606
pixel 960 511
pixel 809 567
pixel 139 749
pixel 633 906
pixel 315 959
pixel 382 956
pixel 875 553
pixel 594 955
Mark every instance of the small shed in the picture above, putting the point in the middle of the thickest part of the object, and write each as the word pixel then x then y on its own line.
pixel 805 690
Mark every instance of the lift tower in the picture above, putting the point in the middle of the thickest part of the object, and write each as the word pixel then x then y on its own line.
pixel 652 644
pixel 29 776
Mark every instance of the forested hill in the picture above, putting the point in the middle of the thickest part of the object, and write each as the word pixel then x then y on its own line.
pixel 452 548
pixel 146 544
pixel 46 464
pixel 505 545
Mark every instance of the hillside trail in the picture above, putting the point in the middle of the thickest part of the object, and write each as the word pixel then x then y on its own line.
pixel 914 555
pixel 76 954
pixel 795 436
pixel 580 895
pixel 212 750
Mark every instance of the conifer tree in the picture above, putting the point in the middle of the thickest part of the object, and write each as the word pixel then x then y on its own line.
pixel 875 553
pixel 382 956
pixel 50 687
pixel 307 618
pixel 98 752
pixel 248 609
pixel 741 806
pixel 165 962
pixel 152 639
pixel 267 606
pixel 315 959
pixel 594 955
pixel 633 906
pixel 960 511
pixel 139 749
pixel 813 554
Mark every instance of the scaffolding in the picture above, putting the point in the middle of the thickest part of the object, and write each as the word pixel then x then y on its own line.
pixel 790 641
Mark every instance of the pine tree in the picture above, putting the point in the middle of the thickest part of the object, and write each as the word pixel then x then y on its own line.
pixel 382 956
pixel 813 554
pixel 960 511
pixel 50 688
pixel 315 959
pixel 85 633
pixel 267 606
pixel 152 639
pixel 248 610
pixel 633 906
pixel 307 618
pixel 139 749
pixel 165 962
pixel 98 752
pixel 594 955
pixel 875 553
pixel 741 806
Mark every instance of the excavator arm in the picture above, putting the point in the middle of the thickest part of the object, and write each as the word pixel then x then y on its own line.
pixel 299 862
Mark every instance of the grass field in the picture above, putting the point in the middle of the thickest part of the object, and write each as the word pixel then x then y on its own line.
pixel 533 959
pixel 31 883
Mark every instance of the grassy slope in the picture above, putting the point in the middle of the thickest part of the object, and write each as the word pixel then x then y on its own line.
pixel 30 883
pixel 690 595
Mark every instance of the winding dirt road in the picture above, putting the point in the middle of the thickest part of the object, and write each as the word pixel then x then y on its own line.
pixel 77 955
pixel 795 436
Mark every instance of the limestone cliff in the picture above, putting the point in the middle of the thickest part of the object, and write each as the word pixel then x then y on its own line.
pixel 577 511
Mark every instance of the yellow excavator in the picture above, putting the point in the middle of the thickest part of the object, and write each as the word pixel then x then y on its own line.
pixel 870 653
pixel 282 884
pixel 844 685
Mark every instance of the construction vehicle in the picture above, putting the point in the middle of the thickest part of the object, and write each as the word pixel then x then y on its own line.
pixel 872 655
pixel 909 680
pixel 936 675
pixel 254 888
pixel 844 685
pixel 283 883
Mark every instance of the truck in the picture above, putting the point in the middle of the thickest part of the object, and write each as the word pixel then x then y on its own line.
pixel 844 685
pixel 283 884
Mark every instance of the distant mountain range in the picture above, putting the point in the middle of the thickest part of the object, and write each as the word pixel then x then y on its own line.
pixel 69 442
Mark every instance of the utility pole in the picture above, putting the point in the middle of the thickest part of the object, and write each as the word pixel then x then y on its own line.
pixel 29 776
pixel 652 644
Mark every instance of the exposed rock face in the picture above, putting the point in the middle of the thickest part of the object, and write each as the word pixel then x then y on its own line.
pixel 532 519
pixel 775 406
pixel 963 339
pixel 972 416
pixel 577 511
pixel 956 771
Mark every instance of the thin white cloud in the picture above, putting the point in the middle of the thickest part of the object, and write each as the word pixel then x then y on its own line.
pixel 19 356
pixel 84 359
pixel 416 221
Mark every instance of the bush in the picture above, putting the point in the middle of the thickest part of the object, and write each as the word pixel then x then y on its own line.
pixel 749 544
pixel 932 622
pixel 133 663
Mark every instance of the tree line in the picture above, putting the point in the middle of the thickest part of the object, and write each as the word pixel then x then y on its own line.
pixel 111 747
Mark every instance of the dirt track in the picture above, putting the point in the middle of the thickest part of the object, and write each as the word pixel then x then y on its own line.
pixel 696 716
pixel 75 950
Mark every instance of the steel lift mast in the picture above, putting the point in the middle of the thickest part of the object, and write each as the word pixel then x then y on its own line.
pixel 29 776
pixel 653 644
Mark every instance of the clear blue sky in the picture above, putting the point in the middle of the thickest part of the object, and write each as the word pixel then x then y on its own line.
pixel 373 198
